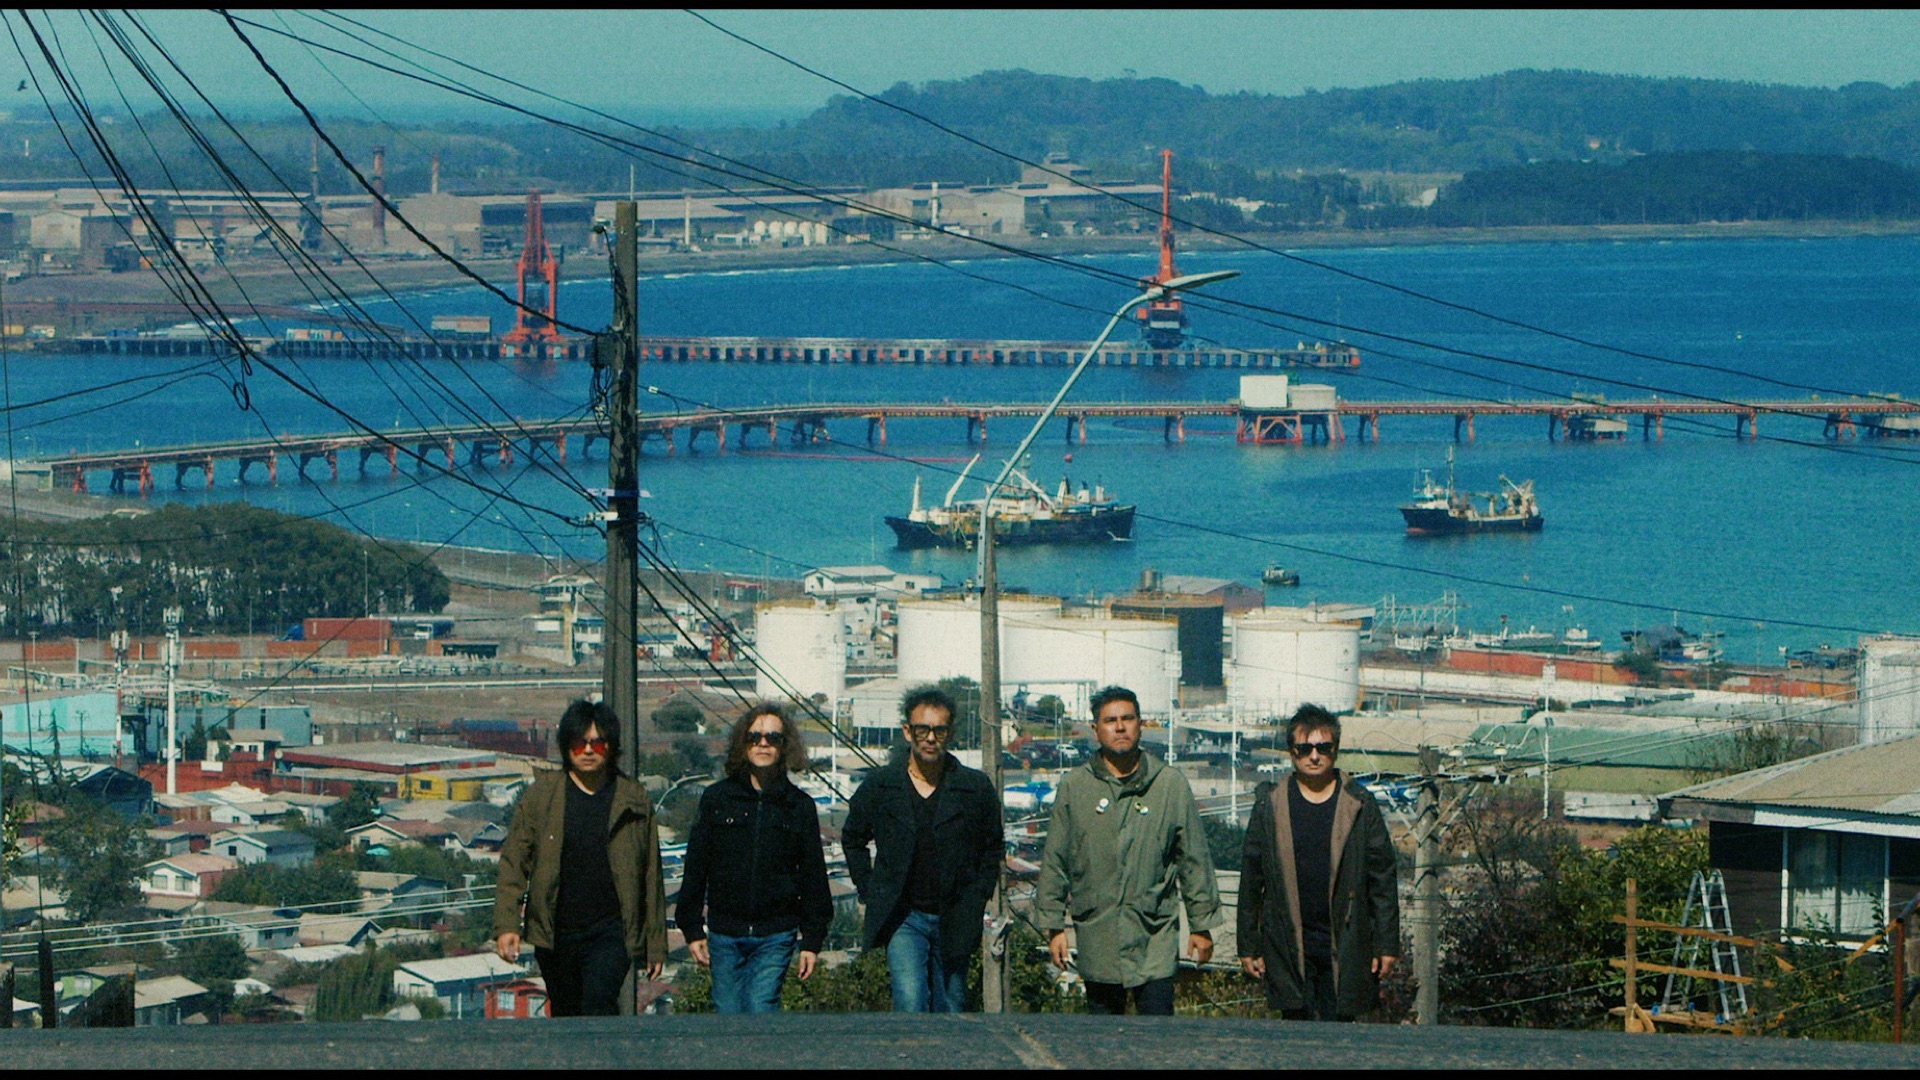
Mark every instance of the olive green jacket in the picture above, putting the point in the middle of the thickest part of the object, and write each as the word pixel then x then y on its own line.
pixel 529 876
pixel 1121 855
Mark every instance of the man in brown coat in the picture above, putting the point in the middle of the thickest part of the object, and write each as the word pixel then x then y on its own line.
pixel 580 872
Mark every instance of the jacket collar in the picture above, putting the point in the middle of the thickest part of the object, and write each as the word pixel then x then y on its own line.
pixel 1139 780
pixel 952 774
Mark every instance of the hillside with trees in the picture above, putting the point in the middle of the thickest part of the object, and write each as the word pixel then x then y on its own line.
pixel 230 567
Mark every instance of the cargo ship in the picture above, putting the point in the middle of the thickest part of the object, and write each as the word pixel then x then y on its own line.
pixel 1024 514
pixel 1439 510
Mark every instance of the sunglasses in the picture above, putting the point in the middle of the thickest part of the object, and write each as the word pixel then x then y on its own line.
pixel 929 731
pixel 1325 749
pixel 766 738
pixel 597 746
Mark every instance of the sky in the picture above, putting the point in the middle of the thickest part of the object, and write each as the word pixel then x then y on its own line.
pixel 669 65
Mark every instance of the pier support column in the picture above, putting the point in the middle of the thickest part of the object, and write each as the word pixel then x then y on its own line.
pixel 1653 427
pixel 1840 426
pixel 560 447
pixel 1174 429
pixel 877 430
pixel 79 481
pixel 1554 420
pixel 1463 422
pixel 1747 425
pixel 393 460
pixel 1370 427
pixel 146 478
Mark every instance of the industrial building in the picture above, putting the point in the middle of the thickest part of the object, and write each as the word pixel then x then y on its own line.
pixel 1889 673
pixel 806 644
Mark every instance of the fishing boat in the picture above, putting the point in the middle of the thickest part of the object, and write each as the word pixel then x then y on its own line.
pixel 1023 513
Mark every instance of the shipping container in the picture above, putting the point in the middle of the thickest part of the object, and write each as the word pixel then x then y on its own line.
pixel 476 325
pixel 211 650
pixel 1259 392
pixel 327 629
pixel 1311 397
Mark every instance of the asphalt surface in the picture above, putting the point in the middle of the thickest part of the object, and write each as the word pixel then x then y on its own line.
pixel 885 1041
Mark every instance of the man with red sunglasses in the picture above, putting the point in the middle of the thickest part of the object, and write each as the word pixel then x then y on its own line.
pixel 1319 919
pixel 580 871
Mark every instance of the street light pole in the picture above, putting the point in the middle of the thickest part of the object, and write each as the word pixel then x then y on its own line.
pixel 993 948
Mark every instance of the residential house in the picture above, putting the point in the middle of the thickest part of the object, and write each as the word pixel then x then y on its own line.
pixel 458 981
pixel 262 812
pixel 380 837
pixel 185 837
pixel 400 894
pixel 518 999
pixel 169 1000
pixel 181 880
pixel 345 928
pixel 256 927
pixel 1830 841
pixel 281 847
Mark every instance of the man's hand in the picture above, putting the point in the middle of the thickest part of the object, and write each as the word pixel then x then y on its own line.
pixel 1383 964
pixel 1255 966
pixel 654 970
pixel 507 947
pixel 698 950
pixel 807 962
pixel 1200 946
pixel 1057 945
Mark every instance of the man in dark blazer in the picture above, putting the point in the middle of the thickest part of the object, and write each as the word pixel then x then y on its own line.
pixel 936 831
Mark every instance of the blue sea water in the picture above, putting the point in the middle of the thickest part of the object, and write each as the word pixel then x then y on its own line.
pixel 1782 542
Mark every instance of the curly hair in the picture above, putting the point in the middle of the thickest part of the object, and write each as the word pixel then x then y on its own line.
pixel 793 755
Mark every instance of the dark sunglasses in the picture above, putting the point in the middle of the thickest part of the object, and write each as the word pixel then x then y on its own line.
pixel 1326 749
pixel 929 731
pixel 767 738
pixel 598 746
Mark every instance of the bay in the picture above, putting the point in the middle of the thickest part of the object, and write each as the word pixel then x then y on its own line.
pixel 1766 534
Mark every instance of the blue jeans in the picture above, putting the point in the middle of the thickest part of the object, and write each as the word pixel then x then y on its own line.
pixel 921 982
pixel 749 971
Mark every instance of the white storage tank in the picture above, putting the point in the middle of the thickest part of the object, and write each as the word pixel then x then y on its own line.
pixel 1071 658
pixel 1889 675
pixel 940 639
pixel 806 646
pixel 1283 659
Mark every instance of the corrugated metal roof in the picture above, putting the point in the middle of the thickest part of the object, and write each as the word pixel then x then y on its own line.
pixel 1880 778
pixel 1681 746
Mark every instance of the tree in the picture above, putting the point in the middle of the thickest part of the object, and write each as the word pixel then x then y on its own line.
pixel 1642 664
pixel 355 986
pixel 360 806
pixel 1226 841
pixel 97 857
pixel 329 880
pixel 678 714
pixel 220 957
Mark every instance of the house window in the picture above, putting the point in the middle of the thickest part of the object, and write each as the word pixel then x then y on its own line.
pixel 1836 881
pixel 506 1001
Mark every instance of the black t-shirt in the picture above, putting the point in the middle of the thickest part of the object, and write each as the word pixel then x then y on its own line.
pixel 1313 867
pixel 923 879
pixel 587 896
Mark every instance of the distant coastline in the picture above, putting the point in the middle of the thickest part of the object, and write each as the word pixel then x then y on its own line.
pixel 279 286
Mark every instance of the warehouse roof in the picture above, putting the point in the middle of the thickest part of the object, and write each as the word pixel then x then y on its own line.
pixel 1879 778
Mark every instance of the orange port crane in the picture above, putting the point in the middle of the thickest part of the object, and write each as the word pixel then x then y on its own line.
pixel 1163 322
pixel 536 263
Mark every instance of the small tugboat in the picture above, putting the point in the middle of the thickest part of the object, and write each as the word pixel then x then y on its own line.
pixel 1023 513
pixel 1439 510
pixel 1279 577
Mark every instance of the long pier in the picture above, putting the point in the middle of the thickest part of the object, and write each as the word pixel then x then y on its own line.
pixel 485 446
pixel 337 345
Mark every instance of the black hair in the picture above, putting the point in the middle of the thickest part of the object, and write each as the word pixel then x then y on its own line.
pixel 923 696
pixel 574 723
pixel 1308 717
pixel 1110 694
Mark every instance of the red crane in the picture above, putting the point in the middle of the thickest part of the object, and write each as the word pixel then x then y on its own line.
pixel 536 263
pixel 1163 323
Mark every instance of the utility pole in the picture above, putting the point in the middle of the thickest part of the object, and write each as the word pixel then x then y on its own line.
pixel 619 350
pixel 173 713
pixel 993 957
pixel 1426 891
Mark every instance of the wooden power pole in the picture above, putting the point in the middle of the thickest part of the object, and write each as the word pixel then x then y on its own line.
pixel 993 955
pixel 1426 892
pixel 620 352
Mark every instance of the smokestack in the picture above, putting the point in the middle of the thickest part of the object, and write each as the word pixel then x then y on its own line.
pixel 380 191
pixel 313 172
pixel 435 189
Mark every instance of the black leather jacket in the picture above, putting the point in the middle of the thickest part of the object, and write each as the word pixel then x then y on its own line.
pixel 754 865
pixel 969 850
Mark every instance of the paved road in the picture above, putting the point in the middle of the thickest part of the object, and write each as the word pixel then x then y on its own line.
pixel 883 1041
